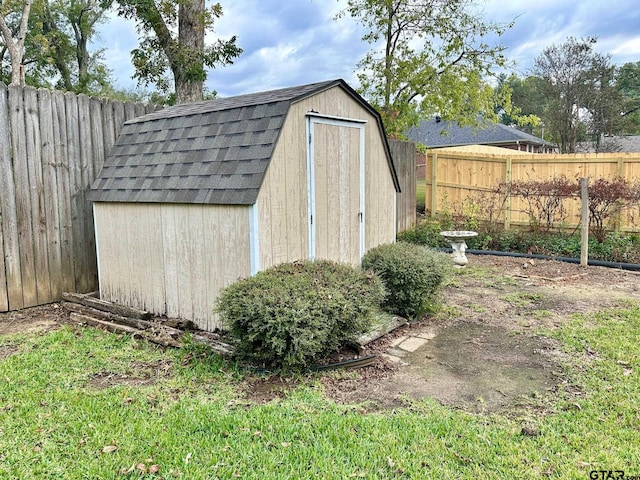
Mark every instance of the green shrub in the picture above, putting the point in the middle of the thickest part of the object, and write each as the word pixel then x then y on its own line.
pixel 293 314
pixel 412 275
pixel 424 233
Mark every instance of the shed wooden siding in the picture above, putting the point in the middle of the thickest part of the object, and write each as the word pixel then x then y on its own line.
pixel 171 259
pixel 282 201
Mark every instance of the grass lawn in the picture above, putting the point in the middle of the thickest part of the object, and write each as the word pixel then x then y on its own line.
pixel 421 188
pixel 181 414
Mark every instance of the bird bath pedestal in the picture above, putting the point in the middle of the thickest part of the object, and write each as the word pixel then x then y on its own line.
pixel 458 245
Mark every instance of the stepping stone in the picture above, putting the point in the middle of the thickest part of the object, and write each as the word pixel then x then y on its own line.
pixel 426 335
pixel 411 344
pixel 398 341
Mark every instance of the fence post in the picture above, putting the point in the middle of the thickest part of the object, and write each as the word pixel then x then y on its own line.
pixel 584 210
pixel 620 172
pixel 434 182
pixel 507 199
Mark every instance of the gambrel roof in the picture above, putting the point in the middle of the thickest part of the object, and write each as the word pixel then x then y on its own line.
pixel 210 152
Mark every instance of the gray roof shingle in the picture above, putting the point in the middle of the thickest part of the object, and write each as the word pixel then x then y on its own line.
pixel 211 152
pixel 434 134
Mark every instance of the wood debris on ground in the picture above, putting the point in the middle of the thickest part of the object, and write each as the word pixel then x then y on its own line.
pixel 87 309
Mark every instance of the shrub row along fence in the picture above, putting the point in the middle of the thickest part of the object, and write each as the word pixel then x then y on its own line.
pixel 452 178
pixel 52 144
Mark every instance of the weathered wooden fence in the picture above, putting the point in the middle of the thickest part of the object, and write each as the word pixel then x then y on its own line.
pixel 404 158
pixel 452 177
pixel 52 144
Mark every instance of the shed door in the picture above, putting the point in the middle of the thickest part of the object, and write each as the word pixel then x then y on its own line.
pixel 336 189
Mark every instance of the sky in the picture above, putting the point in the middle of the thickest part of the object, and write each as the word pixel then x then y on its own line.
pixel 294 42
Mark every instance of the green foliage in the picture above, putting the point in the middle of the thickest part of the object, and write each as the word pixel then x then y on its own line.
pixel 614 247
pixel 628 83
pixel 427 57
pixel 577 79
pixel 56 46
pixel 527 96
pixel 412 275
pixel 173 38
pixel 425 233
pixel 292 314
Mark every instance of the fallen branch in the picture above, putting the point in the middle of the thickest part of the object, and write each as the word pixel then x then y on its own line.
pixel 117 328
pixel 106 306
pixel 383 324
pixel 153 332
pixel 111 317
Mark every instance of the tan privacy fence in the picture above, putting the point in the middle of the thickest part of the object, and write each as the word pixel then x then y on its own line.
pixel 453 178
pixel 52 144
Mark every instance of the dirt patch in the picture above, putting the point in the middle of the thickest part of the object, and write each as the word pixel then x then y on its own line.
pixel 7 350
pixel 35 319
pixel 481 353
pixel 267 388
pixel 469 365
pixel 141 374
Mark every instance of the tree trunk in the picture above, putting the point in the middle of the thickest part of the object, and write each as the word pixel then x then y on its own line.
pixel 189 73
pixel 16 46
pixel 187 91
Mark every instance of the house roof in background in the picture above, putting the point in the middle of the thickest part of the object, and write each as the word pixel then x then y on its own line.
pixel 616 143
pixel 211 152
pixel 433 134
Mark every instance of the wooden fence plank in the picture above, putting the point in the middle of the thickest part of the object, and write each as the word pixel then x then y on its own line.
pixel 9 257
pixel 108 127
pixel 75 184
pixel 97 156
pixel 86 280
pixel 51 198
pixel 139 109
pixel 404 156
pixel 97 135
pixel 63 183
pixel 23 199
pixel 129 111
pixel 36 194
pixel 118 117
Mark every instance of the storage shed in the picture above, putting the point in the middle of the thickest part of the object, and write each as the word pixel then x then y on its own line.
pixel 195 196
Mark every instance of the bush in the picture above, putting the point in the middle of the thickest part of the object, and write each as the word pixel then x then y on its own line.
pixel 412 275
pixel 293 314
pixel 544 199
pixel 424 233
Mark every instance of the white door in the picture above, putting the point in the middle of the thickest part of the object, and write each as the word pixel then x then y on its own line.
pixel 336 189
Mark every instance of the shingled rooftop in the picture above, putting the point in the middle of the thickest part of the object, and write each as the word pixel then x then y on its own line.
pixel 434 133
pixel 211 152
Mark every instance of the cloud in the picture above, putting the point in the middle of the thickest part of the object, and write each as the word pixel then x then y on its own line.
pixel 292 42
pixel 287 43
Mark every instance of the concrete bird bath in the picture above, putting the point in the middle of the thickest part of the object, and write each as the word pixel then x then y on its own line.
pixel 458 245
